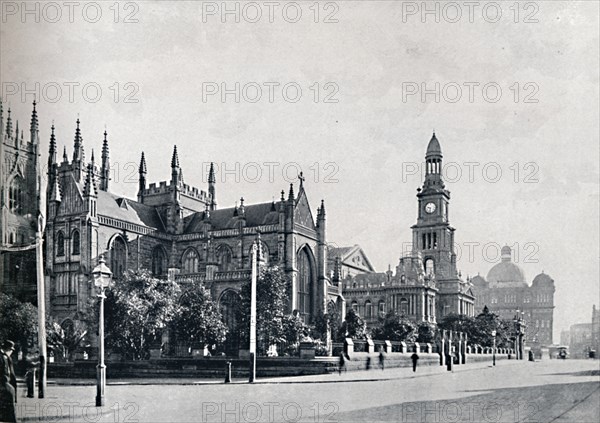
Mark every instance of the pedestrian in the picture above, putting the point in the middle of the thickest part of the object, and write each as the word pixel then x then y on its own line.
pixel 342 363
pixel 381 359
pixel 415 359
pixel 8 383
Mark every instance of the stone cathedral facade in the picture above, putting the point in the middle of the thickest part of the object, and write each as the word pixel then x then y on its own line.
pixel 176 231
pixel 19 205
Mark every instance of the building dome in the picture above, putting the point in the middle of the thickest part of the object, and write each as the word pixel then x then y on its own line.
pixel 543 280
pixel 479 282
pixel 506 273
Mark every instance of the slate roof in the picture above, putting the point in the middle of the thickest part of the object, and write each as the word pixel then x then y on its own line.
pixel 121 208
pixel 256 215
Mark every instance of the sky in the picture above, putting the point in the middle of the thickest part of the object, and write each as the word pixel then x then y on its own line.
pixel 349 93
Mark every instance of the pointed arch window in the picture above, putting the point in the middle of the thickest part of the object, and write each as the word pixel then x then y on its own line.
pixel 368 310
pixel 305 284
pixel 76 241
pixel 190 261
pixel 224 258
pixel 118 257
pixel 16 192
pixel 60 244
pixel 159 261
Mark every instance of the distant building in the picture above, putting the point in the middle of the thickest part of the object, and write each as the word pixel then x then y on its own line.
pixel 19 206
pixel 426 285
pixel 581 340
pixel 506 293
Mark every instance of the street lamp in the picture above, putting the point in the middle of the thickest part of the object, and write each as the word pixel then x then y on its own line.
pixel 494 349
pixel 102 277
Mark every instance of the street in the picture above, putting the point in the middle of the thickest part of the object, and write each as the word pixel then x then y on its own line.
pixel 544 391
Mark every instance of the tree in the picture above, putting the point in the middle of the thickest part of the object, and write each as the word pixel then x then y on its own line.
pixel 66 340
pixel 394 327
pixel 426 332
pixel 137 308
pixel 18 321
pixel 457 323
pixel 198 319
pixel 353 326
pixel 271 297
pixel 479 329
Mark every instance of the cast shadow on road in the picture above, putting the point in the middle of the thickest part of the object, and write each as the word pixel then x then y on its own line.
pixel 539 403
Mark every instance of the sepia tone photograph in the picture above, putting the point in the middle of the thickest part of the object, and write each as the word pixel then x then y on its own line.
pixel 300 211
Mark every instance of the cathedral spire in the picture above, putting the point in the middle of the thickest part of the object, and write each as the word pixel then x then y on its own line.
pixel 142 178
pixel 17 134
pixel 175 158
pixel 9 124
pixel 105 170
pixel 65 157
pixel 212 190
pixel 176 172
pixel 90 189
pixel 52 149
pixel 34 126
pixel 78 154
pixel 291 193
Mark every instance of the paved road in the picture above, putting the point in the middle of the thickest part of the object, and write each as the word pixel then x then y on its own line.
pixel 550 391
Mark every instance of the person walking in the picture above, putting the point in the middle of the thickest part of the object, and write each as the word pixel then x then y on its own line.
pixel 8 383
pixel 381 359
pixel 342 363
pixel 415 359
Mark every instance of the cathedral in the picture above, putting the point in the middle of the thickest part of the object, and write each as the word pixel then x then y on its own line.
pixel 426 285
pixel 19 205
pixel 176 231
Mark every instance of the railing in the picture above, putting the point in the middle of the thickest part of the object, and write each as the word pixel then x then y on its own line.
pixel 232 275
pixel 194 277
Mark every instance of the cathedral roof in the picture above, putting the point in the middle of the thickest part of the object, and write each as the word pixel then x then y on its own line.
pixel 111 205
pixel 506 273
pixel 255 214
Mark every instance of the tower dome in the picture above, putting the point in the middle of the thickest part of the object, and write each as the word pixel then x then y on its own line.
pixel 506 273
pixel 433 148
pixel 543 280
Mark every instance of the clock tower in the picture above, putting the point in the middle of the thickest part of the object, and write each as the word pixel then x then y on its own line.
pixel 433 237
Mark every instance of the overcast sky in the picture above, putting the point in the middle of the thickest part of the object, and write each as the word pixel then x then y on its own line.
pixel 528 107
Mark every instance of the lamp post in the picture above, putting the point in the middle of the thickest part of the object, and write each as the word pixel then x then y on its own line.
pixel 102 277
pixel 253 282
pixel 494 349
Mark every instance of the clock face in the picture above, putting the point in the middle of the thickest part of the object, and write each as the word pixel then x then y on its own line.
pixel 430 208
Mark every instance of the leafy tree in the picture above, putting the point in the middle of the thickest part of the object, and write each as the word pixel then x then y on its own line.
pixel 394 327
pixel 198 319
pixel 426 332
pixel 456 322
pixel 271 297
pixel 18 321
pixel 353 326
pixel 479 329
pixel 136 310
pixel 294 328
pixel 66 340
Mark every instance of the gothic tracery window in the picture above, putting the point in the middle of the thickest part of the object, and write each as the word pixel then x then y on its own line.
pixel 118 257
pixel 159 261
pixel 224 258
pixel 190 261
pixel 15 196
pixel 305 284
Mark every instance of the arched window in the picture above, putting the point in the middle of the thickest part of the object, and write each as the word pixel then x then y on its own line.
pixel 368 310
pixel 355 306
pixel 190 261
pixel 159 261
pixel 60 244
pixel 118 257
pixel 228 305
pixel 224 258
pixel 305 284
pixel 15 196
pixel 381 308
pixel 429 267
pixel 76 240
pixel 403 306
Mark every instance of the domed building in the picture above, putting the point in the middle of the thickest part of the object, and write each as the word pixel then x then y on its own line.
pixel 505 292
